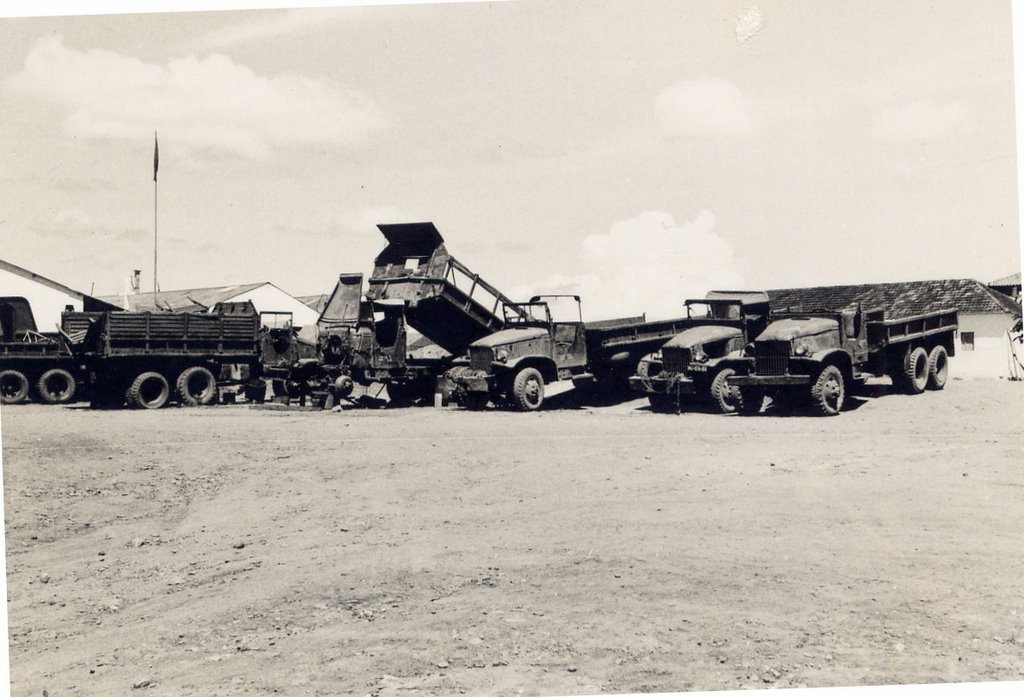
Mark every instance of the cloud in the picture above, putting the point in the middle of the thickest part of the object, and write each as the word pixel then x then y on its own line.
pixel 647 264
pixel 923 120
pixel 209 104
pixel 705 107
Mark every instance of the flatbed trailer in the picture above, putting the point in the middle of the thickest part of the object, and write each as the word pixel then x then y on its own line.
pixel 34 365
pixel 818 356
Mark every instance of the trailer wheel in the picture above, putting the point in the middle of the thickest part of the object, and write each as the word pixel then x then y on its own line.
pixel 148 391
pixel 662 403
pixel 528 389
pixel 749 400
pixel 196 387
pixel 57 386
pixel 938 368
pixel 13 387
pixel 829 391
pixel 727 398
pixel 915 371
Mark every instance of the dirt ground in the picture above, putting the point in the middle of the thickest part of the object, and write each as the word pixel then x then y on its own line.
pixel 236 550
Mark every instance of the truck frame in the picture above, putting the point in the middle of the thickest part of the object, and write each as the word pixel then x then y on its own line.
pixel 695 364
pixel 819 356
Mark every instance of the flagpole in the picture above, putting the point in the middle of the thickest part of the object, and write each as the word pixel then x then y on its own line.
pixel 156 164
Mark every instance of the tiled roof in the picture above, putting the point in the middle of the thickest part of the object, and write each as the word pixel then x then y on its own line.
pixel 198 299
pixel 900 299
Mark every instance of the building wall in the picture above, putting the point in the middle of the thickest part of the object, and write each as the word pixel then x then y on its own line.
pixel 269 298
pixel 47 303
pixel 990 357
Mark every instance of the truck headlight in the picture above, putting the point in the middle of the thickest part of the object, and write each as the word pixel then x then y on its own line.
pixel 698 356
pixel 501 356
pixel 801 350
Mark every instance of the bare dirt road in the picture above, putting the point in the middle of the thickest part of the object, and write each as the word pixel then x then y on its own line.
pixel 251 551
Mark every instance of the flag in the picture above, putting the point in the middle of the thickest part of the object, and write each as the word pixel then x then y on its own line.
pixel 156 156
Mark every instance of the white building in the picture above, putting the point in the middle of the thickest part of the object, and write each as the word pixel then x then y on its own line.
pixel 265 296
pixel 47 298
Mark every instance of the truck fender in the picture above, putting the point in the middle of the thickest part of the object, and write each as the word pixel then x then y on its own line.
pixel 544 364
pixel 836 357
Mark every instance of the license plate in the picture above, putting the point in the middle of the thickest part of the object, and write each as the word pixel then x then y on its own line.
pixel 699 368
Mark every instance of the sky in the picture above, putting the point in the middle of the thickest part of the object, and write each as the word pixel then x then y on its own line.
pixel 634 152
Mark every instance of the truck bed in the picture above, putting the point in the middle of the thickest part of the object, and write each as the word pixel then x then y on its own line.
pixel 146 333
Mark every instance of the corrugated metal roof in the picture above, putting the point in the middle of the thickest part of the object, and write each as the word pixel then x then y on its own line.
pixel 315 302
pixel 1011 280
pixel 188 299
pixel 900 299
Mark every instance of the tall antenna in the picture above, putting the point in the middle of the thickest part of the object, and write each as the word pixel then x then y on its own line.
pixel 156 167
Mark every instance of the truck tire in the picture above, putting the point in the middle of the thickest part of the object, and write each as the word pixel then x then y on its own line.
pixel 13 387
pixel 148 391
pixel 938 368
pixel 196 387
pixel 528 389
pixel 829 391
pixel 57 386
pixel 749 400
pixel 915 371
pixel 727 398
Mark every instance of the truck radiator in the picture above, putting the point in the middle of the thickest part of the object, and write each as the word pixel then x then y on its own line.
pixel 480 359
pixel 675 360
pixel 772 358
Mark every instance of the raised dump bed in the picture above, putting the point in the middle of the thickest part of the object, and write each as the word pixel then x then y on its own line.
pixel 444 300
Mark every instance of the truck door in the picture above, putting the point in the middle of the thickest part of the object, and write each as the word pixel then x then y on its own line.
pixel 569 344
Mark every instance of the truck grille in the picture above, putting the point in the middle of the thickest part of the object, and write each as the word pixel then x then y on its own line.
pixel 772 358
pixel 675 360
pixel 480 359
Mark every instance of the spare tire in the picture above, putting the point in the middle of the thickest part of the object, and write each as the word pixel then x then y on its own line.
pixel 196 387
pixel 13 387
pixel 57 386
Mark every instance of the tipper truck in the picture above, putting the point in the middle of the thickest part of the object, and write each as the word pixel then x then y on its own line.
pixel 819 356
pixel 694 365
pixel 512 366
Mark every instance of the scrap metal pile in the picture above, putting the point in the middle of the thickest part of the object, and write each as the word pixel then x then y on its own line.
pixel 730 351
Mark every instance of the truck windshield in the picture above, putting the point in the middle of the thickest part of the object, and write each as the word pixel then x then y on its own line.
pixel 527 313
pixel 702 309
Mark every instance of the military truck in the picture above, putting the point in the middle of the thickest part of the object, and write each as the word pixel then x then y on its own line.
pixel 34 365
pixel 416 283
pixel 694 365
pixel 512 366
pixel 818 356
pixel 147 359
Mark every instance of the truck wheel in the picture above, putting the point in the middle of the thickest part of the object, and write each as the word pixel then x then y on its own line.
pixel 342 386
pixel 148 391
pixel 528 389
pixel 938 368
pixel 727 398
pixel 57 386
pixel 13 387
pixel 915 371
pixel 662 403
pixel 828 391
pixel 196 387
pixel 749 400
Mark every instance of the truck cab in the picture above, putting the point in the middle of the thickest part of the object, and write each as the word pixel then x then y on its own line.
pixel 512 365
pixel 696 363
